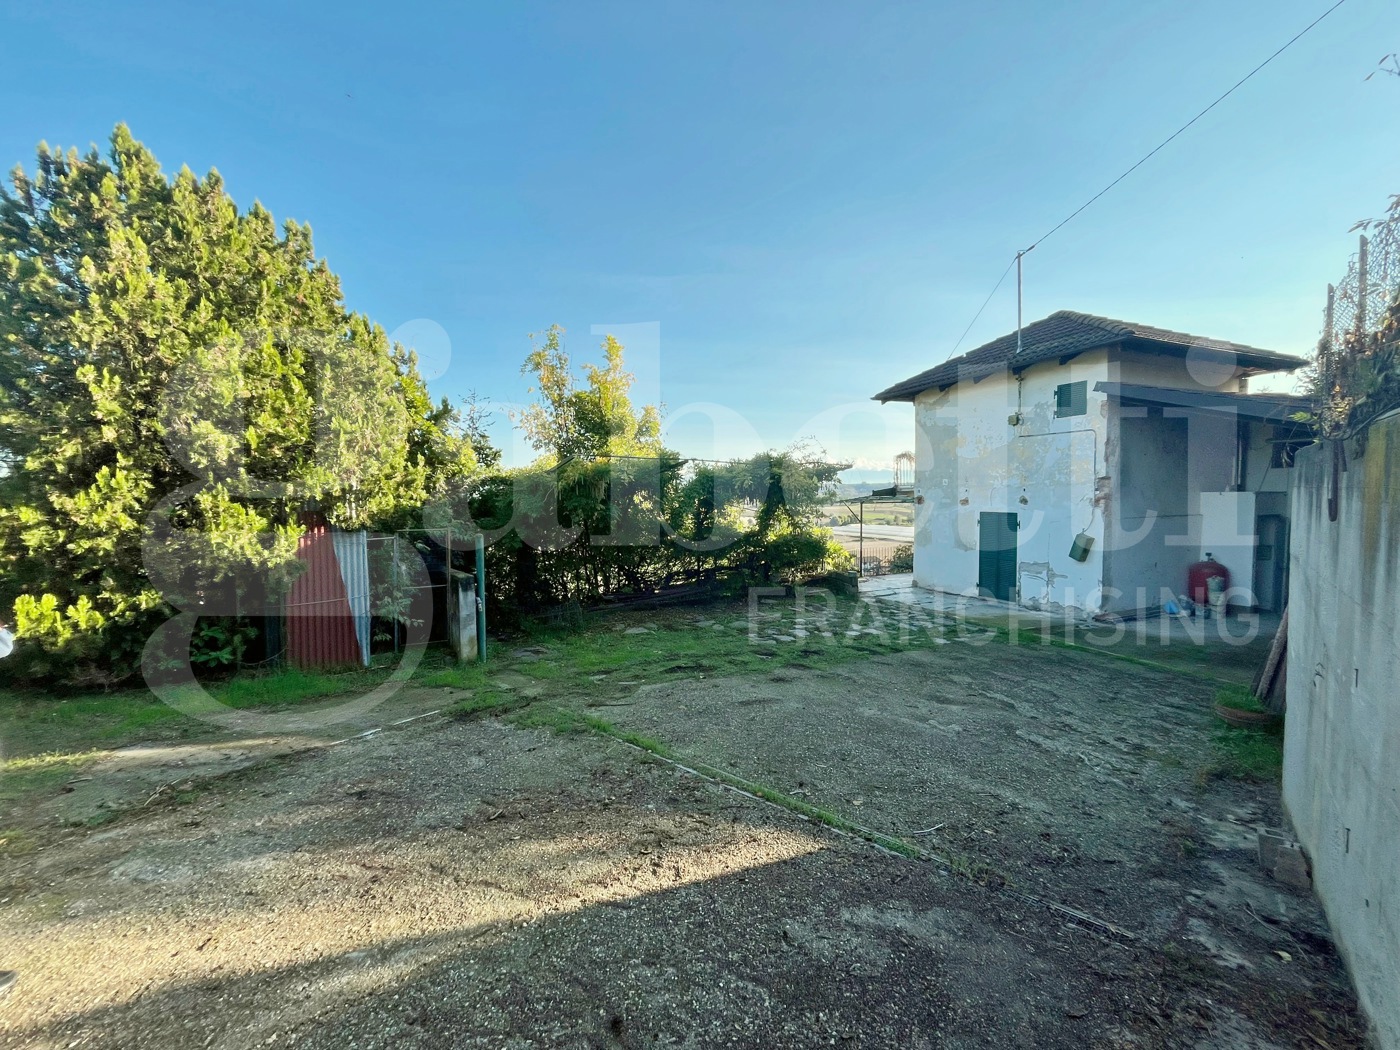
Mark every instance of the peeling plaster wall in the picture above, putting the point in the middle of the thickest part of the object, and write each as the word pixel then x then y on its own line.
pixel 1341 768
pixel 970 459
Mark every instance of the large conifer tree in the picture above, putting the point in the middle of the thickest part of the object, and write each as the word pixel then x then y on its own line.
pixel 155 340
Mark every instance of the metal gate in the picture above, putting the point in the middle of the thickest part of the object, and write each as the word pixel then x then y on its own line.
pixel 996 554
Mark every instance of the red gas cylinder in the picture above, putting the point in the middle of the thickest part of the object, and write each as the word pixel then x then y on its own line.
pixel 1198 578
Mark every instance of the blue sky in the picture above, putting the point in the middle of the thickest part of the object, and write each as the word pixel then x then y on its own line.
pixel 793 204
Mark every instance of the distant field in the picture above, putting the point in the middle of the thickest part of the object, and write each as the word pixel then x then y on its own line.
pixel 875 513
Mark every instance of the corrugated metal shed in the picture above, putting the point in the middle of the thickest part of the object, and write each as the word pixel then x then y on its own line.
pixel 321 627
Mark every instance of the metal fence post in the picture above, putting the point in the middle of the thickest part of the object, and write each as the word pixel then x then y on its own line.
pixel 394 597
pixel 480 598
pixel 860 568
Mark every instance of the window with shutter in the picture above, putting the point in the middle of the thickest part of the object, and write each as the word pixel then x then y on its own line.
pixel 1072 399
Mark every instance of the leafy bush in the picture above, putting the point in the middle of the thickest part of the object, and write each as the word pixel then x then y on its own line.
pixel 220 641
pixel 579 530
pixel 1355 375
pixel 902 560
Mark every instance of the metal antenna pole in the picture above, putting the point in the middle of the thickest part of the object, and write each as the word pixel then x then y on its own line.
pixel 480 545
pixel 860 545
pixel 1326 361
pixel 1019 256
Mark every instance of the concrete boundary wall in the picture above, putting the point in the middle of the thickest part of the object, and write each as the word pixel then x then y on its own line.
pixel 1341 781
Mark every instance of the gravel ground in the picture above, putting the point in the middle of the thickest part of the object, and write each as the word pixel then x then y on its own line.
pixel 473 884
pixel 1061 774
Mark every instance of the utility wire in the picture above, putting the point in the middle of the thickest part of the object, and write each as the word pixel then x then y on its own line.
pixel 983 306
pixel 1143 160
pixel 1238 84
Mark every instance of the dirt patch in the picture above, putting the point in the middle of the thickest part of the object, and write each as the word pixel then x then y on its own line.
pixel 1055 773
pixel 124 779
pixel 472 884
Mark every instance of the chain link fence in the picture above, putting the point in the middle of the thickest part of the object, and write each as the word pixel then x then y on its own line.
pixel 1354 375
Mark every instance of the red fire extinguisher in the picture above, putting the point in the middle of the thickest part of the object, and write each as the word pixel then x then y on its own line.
pixel 1198 578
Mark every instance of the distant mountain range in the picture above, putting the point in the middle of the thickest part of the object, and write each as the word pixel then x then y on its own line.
pixel 861 480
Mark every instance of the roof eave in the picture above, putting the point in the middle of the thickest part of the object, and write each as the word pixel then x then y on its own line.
pixel 1249 360
pixel 1260 408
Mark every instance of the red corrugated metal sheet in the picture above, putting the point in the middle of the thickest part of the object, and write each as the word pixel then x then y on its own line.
pixel 320 625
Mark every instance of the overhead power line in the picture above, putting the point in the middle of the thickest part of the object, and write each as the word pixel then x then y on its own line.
pixel 983 306
pixel 1166 141
pixel 1143 160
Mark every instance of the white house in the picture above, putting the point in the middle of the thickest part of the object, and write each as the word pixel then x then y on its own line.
pixel 1091 465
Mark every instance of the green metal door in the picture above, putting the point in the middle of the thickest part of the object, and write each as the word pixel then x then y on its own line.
pixel 996 554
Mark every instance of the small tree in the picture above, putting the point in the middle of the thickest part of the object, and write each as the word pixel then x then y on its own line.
pixel 591 421
pixel 474 415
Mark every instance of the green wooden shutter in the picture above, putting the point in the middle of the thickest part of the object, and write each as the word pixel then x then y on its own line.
pixel 996 554
pixel 1072 399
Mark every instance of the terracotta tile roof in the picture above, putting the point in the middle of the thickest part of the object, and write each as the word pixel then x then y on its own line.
pixel 1065 334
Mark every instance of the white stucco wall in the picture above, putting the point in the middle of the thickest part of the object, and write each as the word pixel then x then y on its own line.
pixel 970 460
pixel 1228 536
pixel 1131 478
pixel 1194 372
pixel 1341 777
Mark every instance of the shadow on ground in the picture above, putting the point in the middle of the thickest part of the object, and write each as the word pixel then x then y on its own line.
pixel 471 884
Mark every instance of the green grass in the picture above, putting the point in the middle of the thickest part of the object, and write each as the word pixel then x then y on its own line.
pixel 45 739
pixel 897 514
pixel 40 774
pixel 33 723
pixel 1240 698
pixel 488 701
pixel 1247 754
pixel 593 665
pixel 440 671
pixel 1253 753
pixel 588 666
pixel 545 716
pixel 595 662
pixel 292 686
pixel 573 671
pixel 16 842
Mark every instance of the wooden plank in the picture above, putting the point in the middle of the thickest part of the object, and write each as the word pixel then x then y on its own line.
pixel 1274 668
